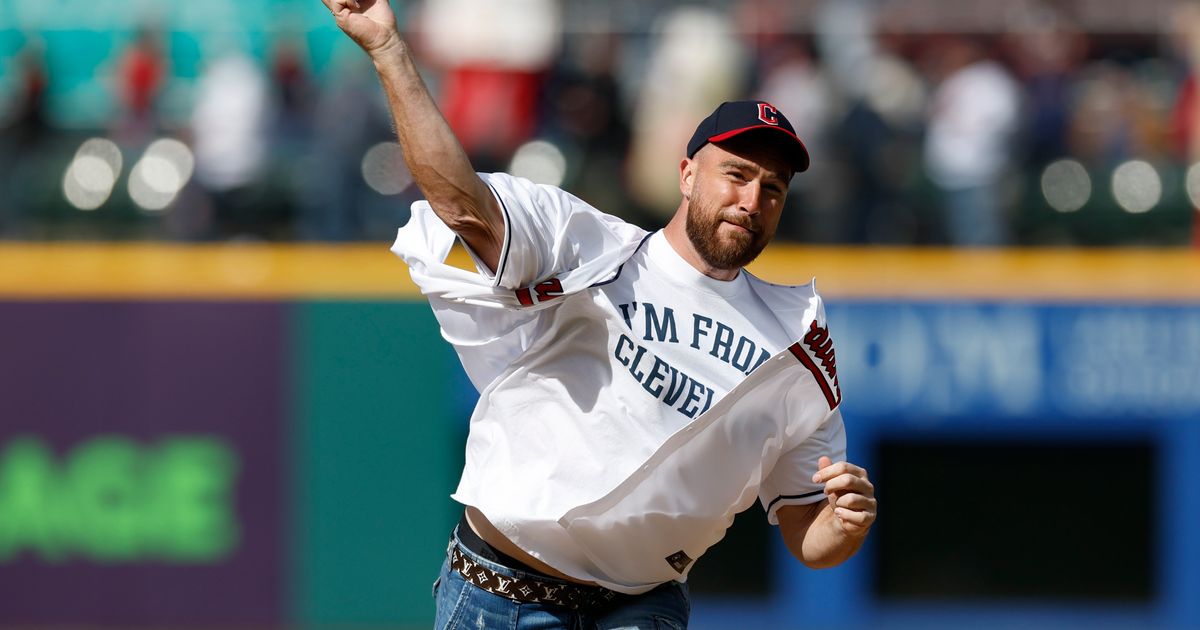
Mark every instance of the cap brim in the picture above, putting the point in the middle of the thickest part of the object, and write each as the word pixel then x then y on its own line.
pixel 800 159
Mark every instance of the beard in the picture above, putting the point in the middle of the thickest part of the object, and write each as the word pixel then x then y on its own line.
pixel 732 251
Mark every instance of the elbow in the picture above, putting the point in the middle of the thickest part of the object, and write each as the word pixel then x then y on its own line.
pixel 823 554
pixel 809 561
pixel 458 219
pixel 820 564
pixel 469 225
pixel 465 209
pixel 795 545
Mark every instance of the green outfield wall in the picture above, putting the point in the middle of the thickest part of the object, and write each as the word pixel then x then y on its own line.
pixel 376 444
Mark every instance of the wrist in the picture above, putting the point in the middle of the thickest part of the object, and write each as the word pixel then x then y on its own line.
pixel 392 49
pixel 852 534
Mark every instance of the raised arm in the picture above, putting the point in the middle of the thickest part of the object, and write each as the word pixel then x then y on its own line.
pixel 438 162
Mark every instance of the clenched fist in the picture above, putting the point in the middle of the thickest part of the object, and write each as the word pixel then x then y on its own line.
pixel 370 23
pixel 851 495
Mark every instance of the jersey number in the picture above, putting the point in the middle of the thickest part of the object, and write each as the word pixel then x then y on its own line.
pixel 540 292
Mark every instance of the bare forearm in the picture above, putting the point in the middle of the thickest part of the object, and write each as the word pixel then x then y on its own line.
pixel 438 163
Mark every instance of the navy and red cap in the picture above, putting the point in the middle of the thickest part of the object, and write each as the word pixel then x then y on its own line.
pixel 734 118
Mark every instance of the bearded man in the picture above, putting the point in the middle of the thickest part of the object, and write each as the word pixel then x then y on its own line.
pixel 637 390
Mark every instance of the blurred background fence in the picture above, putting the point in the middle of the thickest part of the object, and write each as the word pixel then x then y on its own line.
pixel 1034 122
pixel 223 404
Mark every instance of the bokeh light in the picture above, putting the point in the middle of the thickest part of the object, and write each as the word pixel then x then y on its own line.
pixel 178 156
pixel 1193 185
pixel 384 170
pixel 163 170
pixel 540 162
pixel 1136 186
pixel 1066 185
pixel 92 173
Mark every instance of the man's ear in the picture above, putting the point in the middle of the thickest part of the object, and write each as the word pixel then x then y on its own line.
pixel 687 177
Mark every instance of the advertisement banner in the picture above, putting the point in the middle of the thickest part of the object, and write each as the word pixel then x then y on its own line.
pixel 1017 361
pixel 142 463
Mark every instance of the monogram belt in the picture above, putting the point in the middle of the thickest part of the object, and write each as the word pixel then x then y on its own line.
pixel 531 590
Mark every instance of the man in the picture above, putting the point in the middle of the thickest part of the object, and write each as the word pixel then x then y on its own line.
pixel 636 390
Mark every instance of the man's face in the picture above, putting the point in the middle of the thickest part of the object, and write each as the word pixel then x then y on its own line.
pixel 736 197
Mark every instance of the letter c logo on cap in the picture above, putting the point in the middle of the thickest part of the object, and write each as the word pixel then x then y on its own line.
pixel 768 114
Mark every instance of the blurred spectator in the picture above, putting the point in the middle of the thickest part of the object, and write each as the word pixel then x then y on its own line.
pixel 1047 55
pixel 23 137
pixel 766 24
pixel 140 76
pixel 968 147
pixel 1185 116
pixel 495 56
pixel 25 125
pixel 1101 130
pixel 795 83
pixel 349 117
pixel 695 64
pixel 587 119
pixel 872 140
pixel 293 93
pixel 293 87
pixel 229 128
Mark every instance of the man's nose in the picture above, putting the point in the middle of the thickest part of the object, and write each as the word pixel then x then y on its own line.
pixel 751 197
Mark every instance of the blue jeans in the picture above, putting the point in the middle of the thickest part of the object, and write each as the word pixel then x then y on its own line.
pixel 461 604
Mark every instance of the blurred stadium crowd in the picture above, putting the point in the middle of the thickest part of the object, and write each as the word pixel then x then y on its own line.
pixel 972 123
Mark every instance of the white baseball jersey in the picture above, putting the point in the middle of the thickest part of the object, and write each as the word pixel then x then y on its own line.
pixel 629 405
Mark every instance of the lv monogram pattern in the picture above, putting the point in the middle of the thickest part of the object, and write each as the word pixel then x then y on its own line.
pixel 530 589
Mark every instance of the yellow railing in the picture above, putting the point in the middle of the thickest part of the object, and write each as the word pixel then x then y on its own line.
pixel 168 271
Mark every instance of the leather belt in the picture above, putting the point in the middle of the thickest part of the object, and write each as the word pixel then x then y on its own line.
pixel 530 589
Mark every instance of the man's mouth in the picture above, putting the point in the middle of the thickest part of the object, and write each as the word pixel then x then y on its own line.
pixel 747 227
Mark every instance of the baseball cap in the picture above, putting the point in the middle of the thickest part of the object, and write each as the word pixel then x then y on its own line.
pixel 733 118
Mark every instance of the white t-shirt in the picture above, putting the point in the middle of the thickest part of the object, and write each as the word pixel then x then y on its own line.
pixel 608 367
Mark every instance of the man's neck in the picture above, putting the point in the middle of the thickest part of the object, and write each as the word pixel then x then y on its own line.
pixel 676 233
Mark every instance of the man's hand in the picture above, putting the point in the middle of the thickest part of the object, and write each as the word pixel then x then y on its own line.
pixel 851 495
pixel 826 534
pixel 370 23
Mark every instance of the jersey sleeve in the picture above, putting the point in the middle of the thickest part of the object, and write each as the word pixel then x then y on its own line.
pixel 546 231
pixel 790 481
pixel 554 245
